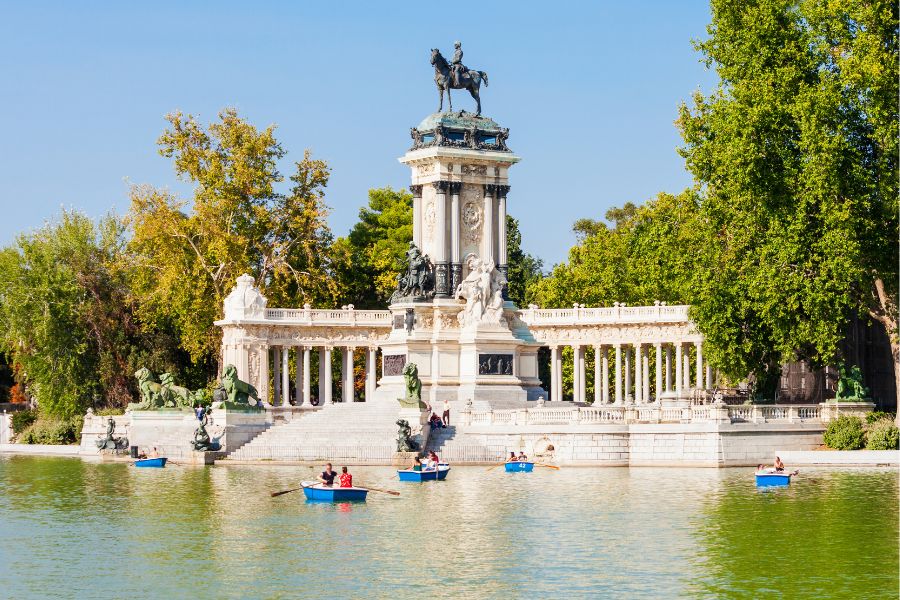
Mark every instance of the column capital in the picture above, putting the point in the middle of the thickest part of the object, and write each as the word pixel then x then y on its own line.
pixel 416 190
pixel 441 186
pixel 502 190
pixel 490 189
pixel 455 187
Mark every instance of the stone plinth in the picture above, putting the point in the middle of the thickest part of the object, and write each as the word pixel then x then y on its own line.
pixel 195 458
pixel 832 410
pixel 403 460
pixel 94 429
pixel 172 431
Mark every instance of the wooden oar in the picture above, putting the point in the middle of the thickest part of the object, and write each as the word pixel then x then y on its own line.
pixel 391 492
pixel 286 491
pixel 548 466
pixel 495 466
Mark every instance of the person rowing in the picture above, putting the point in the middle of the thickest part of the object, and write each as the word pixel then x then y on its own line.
pixel 327 476
pixel 512 457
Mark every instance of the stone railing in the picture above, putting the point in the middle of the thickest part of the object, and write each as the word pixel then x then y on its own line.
pixel 581 315
pixel 611 414
pixel 347 317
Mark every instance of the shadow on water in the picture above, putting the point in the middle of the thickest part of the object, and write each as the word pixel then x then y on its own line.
pixel 830 534
pixel 74 529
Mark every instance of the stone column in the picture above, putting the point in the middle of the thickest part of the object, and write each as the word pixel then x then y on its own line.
pixel 298 375
pixel 578 390
pixel 598 377
pixel 678 369
pixel 285 376
pixel 324 375
pixel 347 373
pixel 686 369
pixel 487 247
pixel 441 265
pixel 417 214
pixel 659 372
pixel 554 373
pixel 645 370
pixel 502 191
pixel 307 375
pixel 455 264
pixel 638 374
pixel 618 375
pixel 698 348
pixel 709 376
pixel 668 367
pixel 628 375
pixel 371 373
pixel 276 375
pixel 558 391
pixel 605 375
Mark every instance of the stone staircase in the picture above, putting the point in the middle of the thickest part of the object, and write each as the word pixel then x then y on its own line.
pixel 457 444
pixel 362 432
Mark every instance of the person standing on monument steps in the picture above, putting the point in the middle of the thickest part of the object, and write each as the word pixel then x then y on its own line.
pixel 446 416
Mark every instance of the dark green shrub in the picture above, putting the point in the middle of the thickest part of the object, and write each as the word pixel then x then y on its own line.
pixel 877 415
pixel 109 412
pixel 23 419
pixel 845 433
pixel 883 435
pixel 53 431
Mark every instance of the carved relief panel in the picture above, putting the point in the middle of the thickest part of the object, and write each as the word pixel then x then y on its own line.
pixel 471 219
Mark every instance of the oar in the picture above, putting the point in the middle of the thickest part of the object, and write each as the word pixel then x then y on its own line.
pixel 495 466
pixel 548 466
pixel 286 491
pixel 391 492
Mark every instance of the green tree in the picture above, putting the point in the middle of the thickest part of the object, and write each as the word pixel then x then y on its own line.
pixel 796 151
pixel 371 257
pixel 188 254
pixel 523 269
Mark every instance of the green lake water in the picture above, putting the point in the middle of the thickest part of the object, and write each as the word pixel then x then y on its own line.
pixel 72 529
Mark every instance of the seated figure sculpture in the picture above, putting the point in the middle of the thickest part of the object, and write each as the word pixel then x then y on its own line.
pixel 482 289
pixel 405 443
pixel 110 442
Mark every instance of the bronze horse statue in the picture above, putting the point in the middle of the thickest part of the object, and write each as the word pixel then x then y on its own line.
pixel 470 80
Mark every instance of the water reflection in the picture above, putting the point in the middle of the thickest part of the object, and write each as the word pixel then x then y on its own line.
pixel 70 528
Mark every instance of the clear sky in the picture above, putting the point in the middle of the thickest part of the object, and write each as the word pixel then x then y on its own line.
pixel 589 91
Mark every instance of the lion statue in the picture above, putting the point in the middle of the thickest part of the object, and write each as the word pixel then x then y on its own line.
pixel 237 391
pixel 153 395
pixel 413 383
pixel 177 396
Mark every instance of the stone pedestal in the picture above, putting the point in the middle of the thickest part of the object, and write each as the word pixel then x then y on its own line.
pixel 403 459
pixel 195 458
pixel 172 431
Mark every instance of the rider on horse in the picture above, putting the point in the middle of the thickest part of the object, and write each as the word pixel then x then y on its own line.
pixel 457 68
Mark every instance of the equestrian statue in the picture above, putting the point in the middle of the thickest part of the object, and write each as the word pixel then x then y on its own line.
pixel 456 76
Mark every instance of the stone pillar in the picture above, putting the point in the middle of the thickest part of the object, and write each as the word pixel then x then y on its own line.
pixel 605 375
pixel 558 390
pixel 487 243
pixel 554 373
pixel 285 376
pixel 455 264
pixel 578 390
pixel 298 375
pixel 659 372
pixel 628 375
pixel 441 265
pixel 645 374
pixel 371 373
pixel 347 378
pixel 698 348
pixel 598 377
pixel 638 374
pixel 618 375
pixel 307 375
pixel 502 191
pixel 276 375
pixel 668 367
pixel 678 369
pixel 417 214
pixel 709 376
pixel 686 369
pixel 324 376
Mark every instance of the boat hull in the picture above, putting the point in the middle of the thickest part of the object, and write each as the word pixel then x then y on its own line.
pixel 519 466
pixel 156 463
pixel 773 479
pixel 424 475
pixel 322 493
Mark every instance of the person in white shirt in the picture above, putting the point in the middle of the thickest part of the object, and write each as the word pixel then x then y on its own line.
pixel 446 416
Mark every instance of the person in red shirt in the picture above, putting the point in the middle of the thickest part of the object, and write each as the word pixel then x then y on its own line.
pixel 345 478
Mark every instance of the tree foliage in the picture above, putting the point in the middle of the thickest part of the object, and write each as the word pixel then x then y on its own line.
pixel 797 155
pixel 523 269
pixel 188 254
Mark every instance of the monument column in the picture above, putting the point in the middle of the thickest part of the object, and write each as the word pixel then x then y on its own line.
pixel 417 214
pixel 306 373
pixel 604 375
pixel 276 374
pixel 618 385
pixel 698 348
pixel 668 367
pixel 487 248
pixel 645 370
pixel 441 267
pixel 298 375
pixel 686 369
pixel 285 376
pixel 638 375
pixel 324 375
pixel 678 369
pixel 598 377
pixel 502 191
pixel 347 374
pixel 554 372
pixel 371 372
pixel 709 376
pixel 578 373
pixel 659 371
pixel 455 264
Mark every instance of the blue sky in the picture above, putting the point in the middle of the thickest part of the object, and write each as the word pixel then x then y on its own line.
pixel 588 90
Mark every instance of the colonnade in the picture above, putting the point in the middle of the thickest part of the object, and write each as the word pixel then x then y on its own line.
pixel 628 365
pixel 280 357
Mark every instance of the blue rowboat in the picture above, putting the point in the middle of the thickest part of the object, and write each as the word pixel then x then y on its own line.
pixel 151 462
pixel 424 474
pixel 516 466
pixel 318 492
pixel 766 479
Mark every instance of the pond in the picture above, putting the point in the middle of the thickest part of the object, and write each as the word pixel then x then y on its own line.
pixel 70 528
